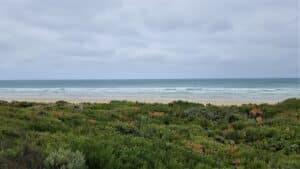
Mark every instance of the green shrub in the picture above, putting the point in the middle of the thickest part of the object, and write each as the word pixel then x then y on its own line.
pixel 233 118
pixel 201 111
pixel 72 120
pixel 239 125
pixel 236 136
pixel 98 152
pixel 205 123
pixel 123 129
pixel 253 134
pixel 61 104
pixel 47 125
pixel 3 103
pixel 124 135
pixel 28 156
pixel 292 103
pixel 22 104
pixel 65 159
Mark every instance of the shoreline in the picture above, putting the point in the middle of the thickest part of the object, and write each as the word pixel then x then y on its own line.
pixel 218 102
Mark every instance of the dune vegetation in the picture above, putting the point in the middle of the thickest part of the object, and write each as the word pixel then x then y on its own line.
pixel 134 135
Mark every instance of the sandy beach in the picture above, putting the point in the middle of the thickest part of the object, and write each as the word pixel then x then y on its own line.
pixel 214 91
pixel 144 100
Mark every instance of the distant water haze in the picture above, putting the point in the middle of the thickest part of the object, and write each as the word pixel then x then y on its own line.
pixel 198 90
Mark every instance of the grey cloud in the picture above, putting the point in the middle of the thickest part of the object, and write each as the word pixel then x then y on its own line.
pixel 220 26
pixel 149 39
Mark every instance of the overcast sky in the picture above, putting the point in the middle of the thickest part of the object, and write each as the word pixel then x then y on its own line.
pixel 104 39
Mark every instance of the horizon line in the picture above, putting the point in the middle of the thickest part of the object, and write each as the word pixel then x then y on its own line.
pixel 217 78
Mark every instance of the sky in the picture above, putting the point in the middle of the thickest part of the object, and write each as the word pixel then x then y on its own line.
pixel 141 39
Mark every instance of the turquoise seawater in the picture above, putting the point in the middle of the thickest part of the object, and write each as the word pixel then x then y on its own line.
pixel 265 90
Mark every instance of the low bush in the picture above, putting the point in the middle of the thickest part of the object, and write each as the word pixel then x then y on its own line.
pixel 202 111
pixel 3 103
pixel 28 157
pixel 125 129
pixel 65 159
pixel 21 104
pixel 131 135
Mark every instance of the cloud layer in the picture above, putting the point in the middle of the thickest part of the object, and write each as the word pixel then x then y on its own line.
pixel 149 39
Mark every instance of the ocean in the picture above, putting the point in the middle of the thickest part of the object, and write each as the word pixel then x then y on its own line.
pixel 208 90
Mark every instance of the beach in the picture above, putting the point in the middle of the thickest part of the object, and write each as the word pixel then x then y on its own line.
pixel 140 100
pixel 214 91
